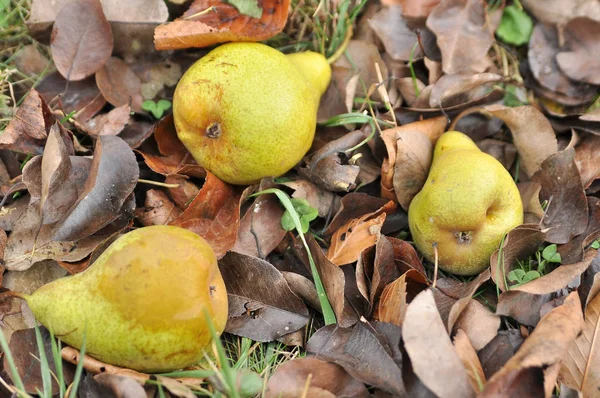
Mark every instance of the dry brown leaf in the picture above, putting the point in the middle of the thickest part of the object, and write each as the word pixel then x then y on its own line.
pixel 394 32
pixel 119 84
pixel 463 33
pixel 111 123
pixel 431 352
pixel 418 9
pixel 581 367
pixel 81 40
pixel 561 11
pixel 413 158
pixel 546 346
pixel 587 159
pixel 396 296
pixel 467 354
pixel 581 63
pixel 479 323
pixel 349 241
pixel 224 23
pixel 449 87
pixel 158 210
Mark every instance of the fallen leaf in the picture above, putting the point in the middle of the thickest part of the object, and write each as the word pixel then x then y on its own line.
pixel 567 211
pixel 261 305
pixel 119 84
pixel 355 205
pixel 455 89
pixel 397 295
pixel 81 40
pixel 184 193
pixel 324 201
pixel 29 127
pixel 587 159
pixel 158 210
pixel 479 323
pixel 111 123
pixel 524 307
pixel 224 23
pixel 214 214
pixel 110 385
pixel 315 378
pixel 546 346
pixel 469 290
pixel 572 252
pixel 24 348
pixel 418 9
pixel 362 352
pixel 580 368
pixel 303 287
pixel 30 61
pixel 413 158
pixel 519 243
pixel 260 229
pixel 431 352
pixel 468 356
pixel 498 351
pixel 581 37
pixel 502 151
pixel 394 32
pixel 352 238
pixel 463 33
pixel 560 11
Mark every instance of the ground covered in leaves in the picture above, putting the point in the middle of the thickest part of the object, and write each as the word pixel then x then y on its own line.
pixel 85 113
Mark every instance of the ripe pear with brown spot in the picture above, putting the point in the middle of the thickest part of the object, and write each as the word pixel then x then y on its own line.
pixel 247 111
pixel 468 203
pixel 142 303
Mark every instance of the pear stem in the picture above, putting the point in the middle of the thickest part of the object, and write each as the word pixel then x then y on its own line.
pixel 160 184
pixel 342 48
pixel 201 13
pixel 435 264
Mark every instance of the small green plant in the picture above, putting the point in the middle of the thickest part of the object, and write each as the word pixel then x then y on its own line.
pixel 516 26
pixel 305 211
pixel 532 269
pixel 156 108
pixel 596 244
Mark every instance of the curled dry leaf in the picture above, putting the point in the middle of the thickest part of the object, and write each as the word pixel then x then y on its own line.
pixel 524 307
pixel 479 323
pixel 467 354
pixel 582 38
pixel 498 351
pixel 587 159
pixel 530 196
pixel 431 352
pixel 261 305
pixel 111 180
pixel 546 346
pixel 560 12
pixel 303 287
pixel 397 295
pixel 324 201
pixel 111 123
pixel 119 84
pixel 581 366
pixel 112 386
pixel 349 241
pixel 567 207
pixel 518 244
pixel 185 191
pixel 313 378
pixel 573 251
pixel 456 89
pixel 28 128
pixel 355 205
pixel 461 304
pixel 363 352
pixel 224 23
pixel 413 158
pixel 214 214
pixel 463 32
pixel 394 32
pixel 158 210
pixel 82 40
pixel 418 9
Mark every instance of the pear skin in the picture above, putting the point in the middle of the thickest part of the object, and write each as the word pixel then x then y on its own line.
pixel 246 111
pixel 142 303
pixel 468 203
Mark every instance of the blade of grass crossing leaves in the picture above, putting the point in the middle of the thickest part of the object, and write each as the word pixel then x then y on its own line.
pixel 192 374
pixel 45 368
pixel 56 347
pixel 161 392
pixel 11 364
pixel 326 308
pixel 228 375
pixel 79 369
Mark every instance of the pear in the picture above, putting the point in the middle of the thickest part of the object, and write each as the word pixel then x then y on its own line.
pixel 143 304
pixel 247 111
pixel 468 203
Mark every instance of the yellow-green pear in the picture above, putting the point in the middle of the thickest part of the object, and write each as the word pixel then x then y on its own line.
pixel 247 111
pixel 142 303
pixel 467 204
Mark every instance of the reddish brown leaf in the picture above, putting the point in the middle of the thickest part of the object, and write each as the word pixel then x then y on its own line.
pixel 587 159
pixel 414 8
pixel 413 158
pixel 111 123
pixel 463 33
pixel 546 346
pixel 467 354
pixel 581 36
pixel 184 193
pixel 519 243
pixel 29 127
pixel 313 378
pixel 119 84
pixel 355 205
pixel 223 24
pixel 425 337
pixel 159 210
pixel 82 40
pixel 567 212
pixel 397 295
pixel 349 241
pixel 214 214
pixel 261 305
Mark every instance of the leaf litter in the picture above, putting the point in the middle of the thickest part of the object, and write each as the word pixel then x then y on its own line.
pixel 412 70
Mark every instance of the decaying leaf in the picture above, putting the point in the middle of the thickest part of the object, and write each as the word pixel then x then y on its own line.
pixel 119 84
pixel 463 33
pixel 479 323
pixel 82 40
pixel 561 11
pixel 413 158
pixel 587 159
pixel 457 89
pixel 397 295
pixel 581 35
pixel 214 214
pixel 314 378
pixel 261 305
pixel 567 207
pixel 431 352
pixel 159 210
pixel 352 238
pixel 546 346
pixel 222 23
pixel 111 123
pixel 395 33
pixel 467 354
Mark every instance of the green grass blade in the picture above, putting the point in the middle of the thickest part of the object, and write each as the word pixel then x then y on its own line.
pixel 56 348
pixel 79 369
pixel 326 308
pixel 45 368
pixel 11 363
